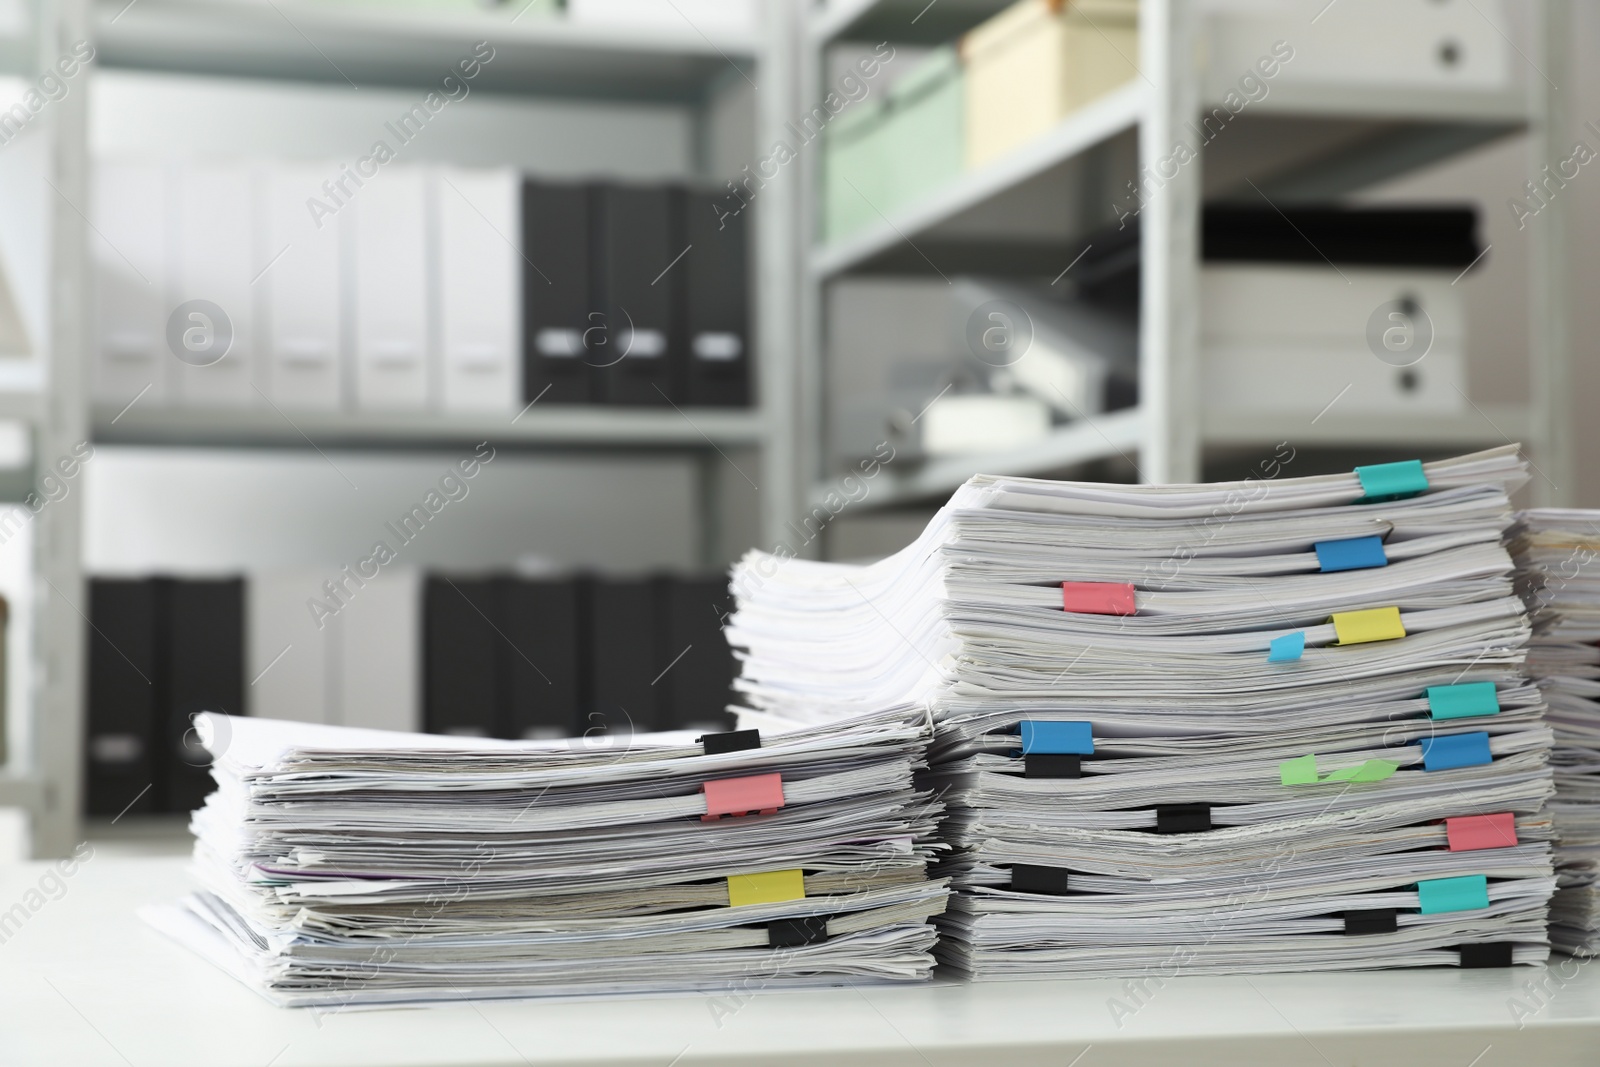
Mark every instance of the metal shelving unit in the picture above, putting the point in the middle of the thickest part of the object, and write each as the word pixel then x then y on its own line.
pixel 300 42
pixel 1340 141
pixel 42 772
pixel 1344 141
pixel 538 54
pixel 571 426
pixel 535 52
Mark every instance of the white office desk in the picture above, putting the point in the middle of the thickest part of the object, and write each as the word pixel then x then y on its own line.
pixel 83 981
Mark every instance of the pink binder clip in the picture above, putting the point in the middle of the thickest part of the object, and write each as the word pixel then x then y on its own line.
pixel 742 796
pixel 1097 598
pixel 1467 833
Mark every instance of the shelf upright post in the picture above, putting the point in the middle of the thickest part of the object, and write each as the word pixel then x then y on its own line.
pixel 1549 264
pixel 1167 193
pixel 784 404
pixel 56 704
pixel 811 373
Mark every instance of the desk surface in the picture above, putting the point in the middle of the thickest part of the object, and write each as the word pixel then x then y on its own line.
pixel 84 981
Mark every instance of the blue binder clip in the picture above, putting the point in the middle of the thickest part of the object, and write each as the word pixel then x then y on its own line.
pixel 1057 738
pixel 1456 750
pixel 1351 554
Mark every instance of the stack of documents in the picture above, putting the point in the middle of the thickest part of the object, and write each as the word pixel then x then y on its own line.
pixel 344 866
pixel 1558 557
pixel 1276 724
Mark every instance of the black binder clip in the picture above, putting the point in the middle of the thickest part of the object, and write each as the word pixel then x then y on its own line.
pixel 1029 878
pixel 1052 765
pixel 1371 921
pixel 1486 954
pixel 790 933
pixel 730 741
pixel 1183 818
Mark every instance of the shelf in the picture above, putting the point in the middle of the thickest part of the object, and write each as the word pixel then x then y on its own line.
pixel 901 21
pixel 87 982
pixel 1114 113
pixel 346 43
pixel 1120 434
pixel 549 427
pixel 1475 427
pixel 1301 143
pixel 1105 437
pixel 1311 143
pixel 1417 104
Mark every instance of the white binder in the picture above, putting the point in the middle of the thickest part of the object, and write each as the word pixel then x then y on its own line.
pixel 389 215
pixel 301 284
pixel 479 225
pixel 358 666
pixel 129 250
pixel 215 209
pixel 286 656
pixel 380 653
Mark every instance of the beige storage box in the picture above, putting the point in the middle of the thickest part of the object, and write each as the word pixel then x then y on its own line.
pixel 1038 61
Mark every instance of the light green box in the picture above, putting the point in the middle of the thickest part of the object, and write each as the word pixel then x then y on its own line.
pixel 887 152
pixel 926 129
pixel 855 175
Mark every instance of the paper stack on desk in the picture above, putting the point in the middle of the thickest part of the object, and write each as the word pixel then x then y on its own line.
pixel 341 866
pixel 1277 724
pixel 1558 560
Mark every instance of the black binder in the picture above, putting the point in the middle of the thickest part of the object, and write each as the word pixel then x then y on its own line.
pixel 462 672
pixel 201 644
pixel 698 684
pixel 637 237
pixel 622 625
pixel 543 656
pixel 556 274
pixel 120 730
pixel 716 351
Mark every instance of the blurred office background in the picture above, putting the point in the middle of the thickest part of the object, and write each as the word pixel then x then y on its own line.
pixel 425 364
